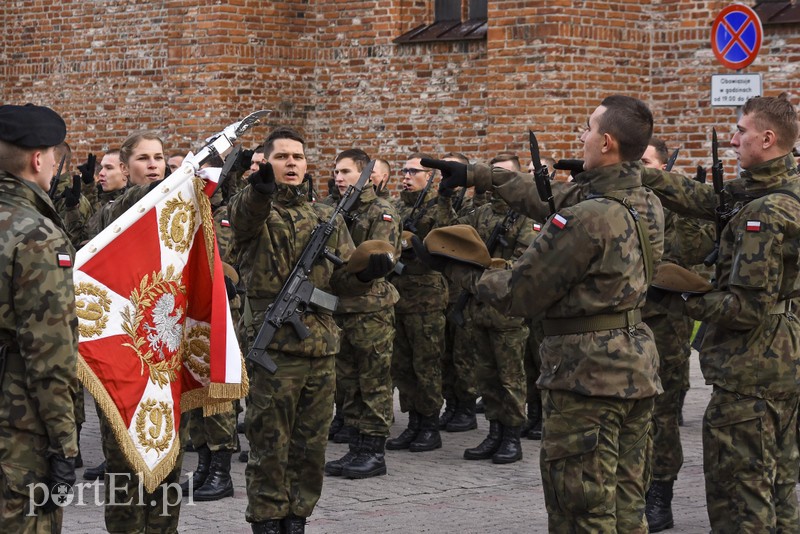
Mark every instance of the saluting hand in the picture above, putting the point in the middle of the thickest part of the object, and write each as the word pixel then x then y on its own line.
pixel 454 174
pixel 263 180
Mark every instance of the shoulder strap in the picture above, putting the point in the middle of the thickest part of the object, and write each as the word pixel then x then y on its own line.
pixel 641 231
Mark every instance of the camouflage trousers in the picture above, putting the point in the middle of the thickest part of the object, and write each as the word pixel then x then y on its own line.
pixel 363 370
pixel 416 361
pixel 217 431
pixel 751 462
pixel 286 423
pixel 532 363
pixel 671 331
pixel 501 373
pixel 80 407
pixel 14 510
pixel 594 462
pixel 143 512
pixel 458 366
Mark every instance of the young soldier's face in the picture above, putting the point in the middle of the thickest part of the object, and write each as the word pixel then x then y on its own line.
pixel 146 163
pixel 288 160
pixel 593 141
pixel 111 176
pixel 345 173
pixel 650 158
pixel 415 176
pixel 747 142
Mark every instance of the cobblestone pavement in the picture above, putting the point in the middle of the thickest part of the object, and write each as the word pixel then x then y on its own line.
pixel 423 492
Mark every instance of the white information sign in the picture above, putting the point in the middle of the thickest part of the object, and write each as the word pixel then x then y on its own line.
pixel 734 89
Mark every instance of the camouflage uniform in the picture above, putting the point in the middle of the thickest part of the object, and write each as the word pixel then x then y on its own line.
pixel 363 364
pixel 419 321
pixel 74 218
pixel 288 413
pixel 599 380
pixel 498 340
pixel 39 339
pixel 750 351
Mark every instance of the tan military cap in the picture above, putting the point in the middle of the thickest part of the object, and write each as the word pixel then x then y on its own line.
pixel 459 242
pixel 672 277
pixel 360 258
pixel 230 272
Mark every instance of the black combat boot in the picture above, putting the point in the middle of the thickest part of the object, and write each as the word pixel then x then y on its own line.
pixel 218 484
pixel 79 458
pixel 428 437
pixel 403 441
pixel 479 407
pixel 95 473
pixel 345 434
pixel 294 524
pixel 448 413
pixel 334 467
pixel 535 420
pixel 464 418
pixel 201 473
pixel 370 461
pixel 488 446
pixel 270 526
pixel 336 425
pixel 658 507
pixel 510 449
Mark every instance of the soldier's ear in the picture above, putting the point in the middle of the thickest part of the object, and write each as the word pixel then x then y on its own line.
pixel 769 139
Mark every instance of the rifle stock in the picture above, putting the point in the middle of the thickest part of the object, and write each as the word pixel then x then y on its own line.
pixel 298 292
pixel 721 211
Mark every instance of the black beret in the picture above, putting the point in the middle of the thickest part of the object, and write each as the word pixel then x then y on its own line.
pixel 31 126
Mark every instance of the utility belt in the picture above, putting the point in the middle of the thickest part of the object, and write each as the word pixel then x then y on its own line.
pixel 782 307
pixel 592 323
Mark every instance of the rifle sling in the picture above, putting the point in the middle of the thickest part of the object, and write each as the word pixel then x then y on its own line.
pixel 641 231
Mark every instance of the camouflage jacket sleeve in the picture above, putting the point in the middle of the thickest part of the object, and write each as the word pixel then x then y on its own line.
pixel 76 226
pixel 681 194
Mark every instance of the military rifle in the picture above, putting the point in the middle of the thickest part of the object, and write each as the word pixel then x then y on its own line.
pixel 54 182
pixel 540 174
pixel 298 293
pixel 497 237
pixel 459 200
pixel 410 222
pixel 722 211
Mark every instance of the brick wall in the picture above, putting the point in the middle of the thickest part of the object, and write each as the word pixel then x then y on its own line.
pixel 331 70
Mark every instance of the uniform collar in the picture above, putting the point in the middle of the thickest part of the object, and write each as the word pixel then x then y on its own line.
pixel 625 175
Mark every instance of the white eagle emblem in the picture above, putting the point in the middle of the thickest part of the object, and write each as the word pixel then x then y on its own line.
pixel 167 331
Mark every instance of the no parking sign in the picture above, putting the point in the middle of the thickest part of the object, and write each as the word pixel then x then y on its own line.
pixel 736 36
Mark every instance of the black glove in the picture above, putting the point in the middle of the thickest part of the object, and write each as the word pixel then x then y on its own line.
pixel 243 160
pixel 87 169
pixel 454 174
pixel 574 166
pixel 263 180
pixel 62 471
pixel 230 288
pixel 72 195
pixel 700 177
pixel 378 266
pixel 437 263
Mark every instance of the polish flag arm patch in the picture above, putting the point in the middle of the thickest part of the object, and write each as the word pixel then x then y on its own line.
pixel 537 227
pixel 753 226
pixel 63 260
pixel 225 223
pixel 559 221
pixel 387 217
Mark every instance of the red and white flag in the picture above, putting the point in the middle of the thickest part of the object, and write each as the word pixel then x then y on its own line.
pixel 156 335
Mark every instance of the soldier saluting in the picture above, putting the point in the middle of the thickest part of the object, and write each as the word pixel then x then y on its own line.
pixel 38 325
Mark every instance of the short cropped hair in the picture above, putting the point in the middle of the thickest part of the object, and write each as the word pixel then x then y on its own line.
pixel 359 157
pixel 507 156
pixel 630 122
pixel 662 152
pixel 282 132
pixel 775 113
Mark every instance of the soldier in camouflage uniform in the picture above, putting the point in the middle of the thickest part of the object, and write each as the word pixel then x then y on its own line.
pixel 363 364
pixel 420 322
pixel 498 340
pixel 587 272
pixel 68 197
pixel 750 351
pixel 38 326
pixel 672 329
pixel 380 179
pixel 288 412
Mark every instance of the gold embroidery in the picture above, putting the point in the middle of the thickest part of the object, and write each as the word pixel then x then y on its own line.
pixel 176 224
pixel 92 305
pixel 166 333
pixel 154 425
pixel 197 351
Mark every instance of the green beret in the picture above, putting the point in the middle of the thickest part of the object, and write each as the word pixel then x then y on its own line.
pixel 459 242
pixel 360 257
pixel 31 126
pixel 672 277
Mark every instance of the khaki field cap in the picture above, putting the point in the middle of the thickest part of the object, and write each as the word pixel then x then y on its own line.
pixel 459 242
pixel 360 258
pixel 229 271
pixel 405 240
pixel 671 277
